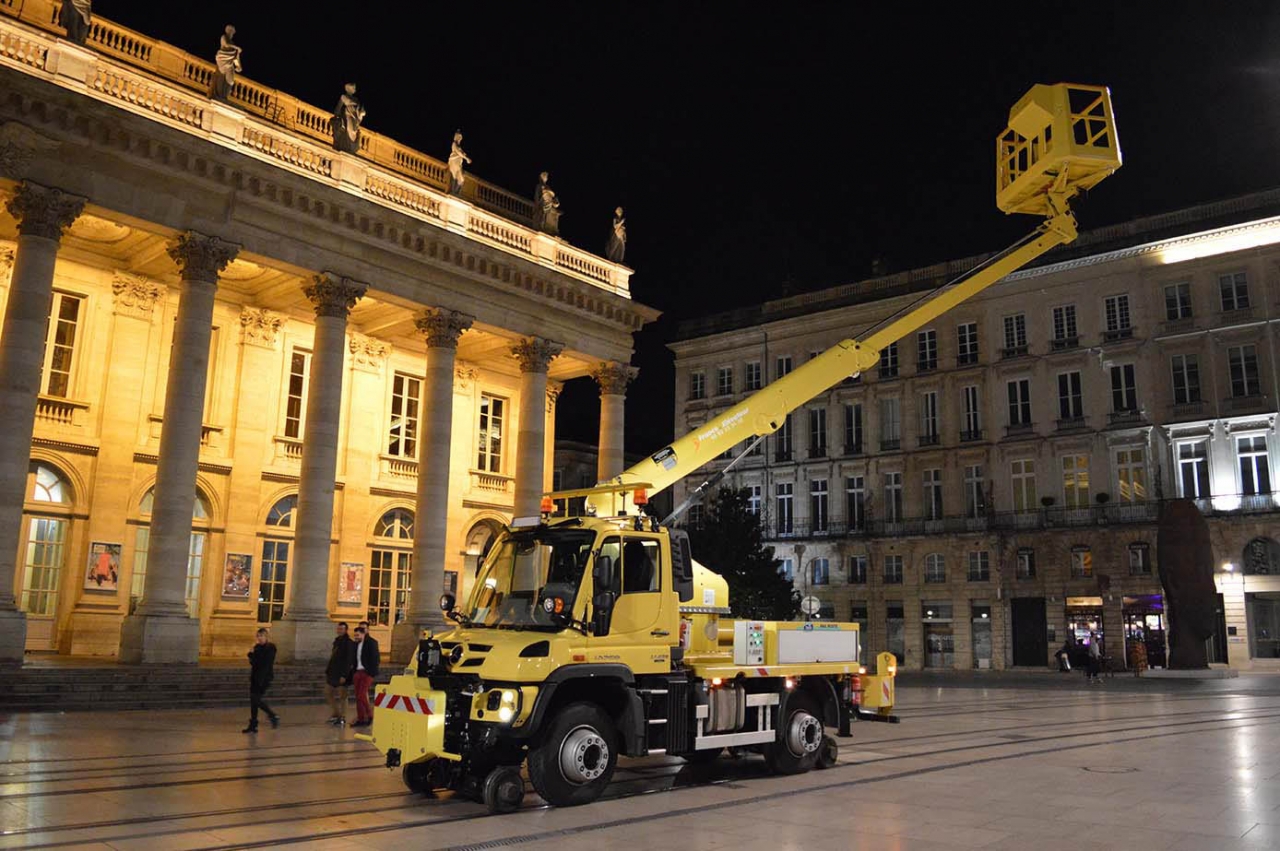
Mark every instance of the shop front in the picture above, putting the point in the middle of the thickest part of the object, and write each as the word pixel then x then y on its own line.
pixel 1144 631
pixel 1084 618
pixel 980 615
pixel 939 639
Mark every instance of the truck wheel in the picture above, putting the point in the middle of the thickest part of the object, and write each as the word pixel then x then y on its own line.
pixel 828 753
pixel 417 777
pixel 799 738
pixel 504 789
pixel 576 758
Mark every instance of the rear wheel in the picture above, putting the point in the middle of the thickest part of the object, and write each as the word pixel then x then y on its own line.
pixel 799 738
pixel 417 777
pixel 576 758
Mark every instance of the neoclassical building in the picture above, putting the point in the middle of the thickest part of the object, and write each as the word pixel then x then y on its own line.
pixel 246 379
pixel 994 485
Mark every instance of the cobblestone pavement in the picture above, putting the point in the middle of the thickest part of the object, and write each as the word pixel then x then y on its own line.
pixel 977 762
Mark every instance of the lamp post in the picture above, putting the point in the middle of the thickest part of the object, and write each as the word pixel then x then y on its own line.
pixel 800 548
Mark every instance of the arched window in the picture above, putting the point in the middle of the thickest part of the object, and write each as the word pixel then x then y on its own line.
pixel 44 553
pixel 935 568
pixel 391 568
pixel 195 553
pixel 273 573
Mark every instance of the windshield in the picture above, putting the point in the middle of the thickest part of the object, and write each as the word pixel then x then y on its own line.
pixel 522 568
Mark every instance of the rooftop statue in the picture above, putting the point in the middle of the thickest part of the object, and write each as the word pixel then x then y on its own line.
pixel 617 247
pixel 76 15
pixel 228 62
pixel 546 207
pixel 457 157
pixel 347 116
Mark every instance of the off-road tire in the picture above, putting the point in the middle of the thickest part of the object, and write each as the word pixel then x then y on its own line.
pixel 778 754
pixel 585 721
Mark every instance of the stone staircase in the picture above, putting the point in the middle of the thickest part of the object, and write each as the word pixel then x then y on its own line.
pixel 68 687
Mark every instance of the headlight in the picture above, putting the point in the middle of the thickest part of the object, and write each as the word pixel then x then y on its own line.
pixel 509 705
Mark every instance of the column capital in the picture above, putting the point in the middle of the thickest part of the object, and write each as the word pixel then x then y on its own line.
pixel 535 354
pixel 200 257
pixel 135 295
pixel 441 328
pixel 554 389
pixel 333 295
pixel 43 211
pixel 259 326
pixel 613 377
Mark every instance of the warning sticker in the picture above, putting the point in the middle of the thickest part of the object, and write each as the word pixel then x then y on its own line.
pixel 708 596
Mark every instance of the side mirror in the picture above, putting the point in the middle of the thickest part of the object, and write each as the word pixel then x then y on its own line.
pixel 602 612
pixel 602 573
pixel 447 602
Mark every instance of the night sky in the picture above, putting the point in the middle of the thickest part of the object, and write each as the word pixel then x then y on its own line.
pixel 768 151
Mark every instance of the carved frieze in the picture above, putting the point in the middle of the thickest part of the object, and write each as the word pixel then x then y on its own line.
pixel 368 353
pixel 464 376
pixel 259 327
pixel 135 295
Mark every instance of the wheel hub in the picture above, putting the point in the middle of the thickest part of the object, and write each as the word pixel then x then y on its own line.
pixel 584 755
pixel 804 734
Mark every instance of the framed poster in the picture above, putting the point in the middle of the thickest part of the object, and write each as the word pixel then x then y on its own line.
pixel 236 576
pixel 351 583
pixel 104 567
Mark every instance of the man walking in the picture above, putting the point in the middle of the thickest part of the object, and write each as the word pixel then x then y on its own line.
pixel 366 668
pixel 262 663
pixel 338 675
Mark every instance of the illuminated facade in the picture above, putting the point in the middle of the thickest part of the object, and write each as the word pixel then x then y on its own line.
pixel 995 484
pixel 277 384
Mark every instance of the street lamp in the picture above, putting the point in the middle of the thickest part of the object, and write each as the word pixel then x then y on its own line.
pixel 800 548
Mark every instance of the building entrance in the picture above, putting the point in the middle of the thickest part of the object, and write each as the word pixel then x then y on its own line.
pixel 1084 617
pixel 1144 625
pixel 1030 626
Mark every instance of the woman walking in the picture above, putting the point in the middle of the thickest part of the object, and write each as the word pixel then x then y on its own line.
pixel 262 663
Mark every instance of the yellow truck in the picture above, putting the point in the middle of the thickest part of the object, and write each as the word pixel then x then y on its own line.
pixel 588 638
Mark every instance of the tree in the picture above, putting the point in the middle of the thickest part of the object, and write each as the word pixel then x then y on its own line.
pixel 731 542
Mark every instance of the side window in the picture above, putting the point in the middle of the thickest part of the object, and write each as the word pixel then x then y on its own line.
pixel 640 566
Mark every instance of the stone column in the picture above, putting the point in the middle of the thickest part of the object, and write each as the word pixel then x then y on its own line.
pixel 42 215
pixel 441 330
pixel 161 629
pixel 613 379
pixel 305 633
pixel 534 354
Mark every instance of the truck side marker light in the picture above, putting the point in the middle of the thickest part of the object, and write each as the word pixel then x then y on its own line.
pixel 790 683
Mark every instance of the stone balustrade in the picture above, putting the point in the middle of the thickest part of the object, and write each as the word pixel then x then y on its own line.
pixel 128 69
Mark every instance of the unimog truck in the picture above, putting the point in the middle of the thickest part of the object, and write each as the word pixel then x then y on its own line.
pixel 584 639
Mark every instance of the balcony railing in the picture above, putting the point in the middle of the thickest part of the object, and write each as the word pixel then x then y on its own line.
pixel 1177 326
pixel 1054 517
pixel 1070 423
pixel 890 445
pixel 1246 404
pixel 970 436
pixel 1188 410
pixel 966 359
pixel 1129 417
pixel 1014 352
pixel 929 440
pixel 927 365
pixel 1062 344
pixel 1238 316
pixel 818 451
pixel 888 372
pixel 782 456
pixel 1116 334
pixel 1017 429
pixel 853 449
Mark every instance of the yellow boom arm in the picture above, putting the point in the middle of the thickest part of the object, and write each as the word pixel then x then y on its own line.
pixel 1060 139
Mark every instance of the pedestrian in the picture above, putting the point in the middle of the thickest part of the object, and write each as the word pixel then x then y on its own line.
pixel 262 663
pixel 1095 657
pixel 366 668
pixel 338 675
pixel 1064 656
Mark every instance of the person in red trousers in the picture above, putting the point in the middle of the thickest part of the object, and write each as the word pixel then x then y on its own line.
pixel 367 659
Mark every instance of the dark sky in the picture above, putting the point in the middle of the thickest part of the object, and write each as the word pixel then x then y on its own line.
pixel 757 149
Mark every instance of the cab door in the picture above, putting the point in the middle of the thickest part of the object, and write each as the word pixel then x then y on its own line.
pixel 639 635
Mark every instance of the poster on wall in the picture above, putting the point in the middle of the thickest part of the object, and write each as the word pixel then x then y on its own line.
pixel 351 583
pixel 236 576
pixel 104 566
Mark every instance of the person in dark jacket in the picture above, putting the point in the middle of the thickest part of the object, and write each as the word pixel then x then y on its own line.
pixel 342 662
pixel 262 663
pixel 366 668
